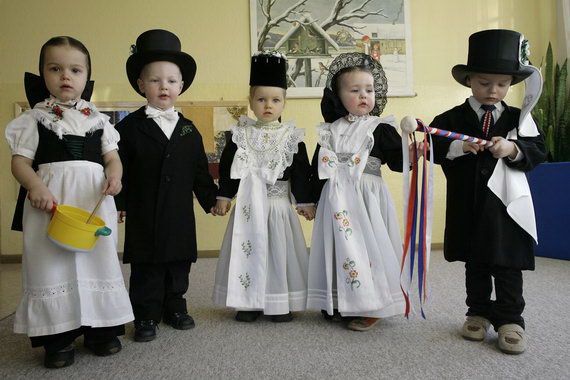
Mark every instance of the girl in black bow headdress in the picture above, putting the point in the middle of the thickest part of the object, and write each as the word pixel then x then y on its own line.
pixel 64 151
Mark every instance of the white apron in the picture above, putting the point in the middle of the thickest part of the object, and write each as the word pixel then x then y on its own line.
pixel 355 252
pixel 65 290
pixel 263 259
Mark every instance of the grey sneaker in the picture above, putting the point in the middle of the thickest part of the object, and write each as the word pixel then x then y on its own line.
pixel 512 339
pixel 475 328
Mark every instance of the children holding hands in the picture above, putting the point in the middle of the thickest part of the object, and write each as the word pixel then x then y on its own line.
pixel 263 260
pixel 164 165
pixel 64 151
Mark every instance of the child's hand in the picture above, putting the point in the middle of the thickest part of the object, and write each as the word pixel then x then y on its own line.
pixel 112 186
pixel 41 198
pixel 307 211
pixel 503 148
pixel 420 148
pixel 222 207
pixel 471 147
pixel 121 215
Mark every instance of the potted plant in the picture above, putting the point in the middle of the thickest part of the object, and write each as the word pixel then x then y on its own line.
pixel 550 181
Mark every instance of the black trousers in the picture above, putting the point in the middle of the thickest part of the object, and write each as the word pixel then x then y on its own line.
pixel 158 288
pixel 56 342
pixel 509 302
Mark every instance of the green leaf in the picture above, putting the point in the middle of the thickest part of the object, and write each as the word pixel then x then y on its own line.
pixel 560 90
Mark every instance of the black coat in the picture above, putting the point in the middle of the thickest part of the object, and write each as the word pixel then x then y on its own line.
pixel 298 173
pixel 159 177
pixel 387 148
pixel 477 227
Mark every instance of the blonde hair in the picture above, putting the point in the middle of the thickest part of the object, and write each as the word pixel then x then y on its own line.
pixel 253 88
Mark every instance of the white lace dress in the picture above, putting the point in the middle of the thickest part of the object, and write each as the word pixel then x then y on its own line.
pixel 263 259
pixel 356 248
pixel 64 290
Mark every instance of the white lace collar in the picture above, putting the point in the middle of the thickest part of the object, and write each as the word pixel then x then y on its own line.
pixel 52 114
pixel 352 118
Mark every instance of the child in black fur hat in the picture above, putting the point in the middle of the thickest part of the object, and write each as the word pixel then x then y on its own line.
pixel 263 259
pixel 164 163
pixel 489 228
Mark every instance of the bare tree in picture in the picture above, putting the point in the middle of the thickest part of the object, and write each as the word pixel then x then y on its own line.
pixel 335 18
pixel 271 22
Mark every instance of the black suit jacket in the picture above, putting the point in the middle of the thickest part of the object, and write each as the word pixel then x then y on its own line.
pixel 159 177
pixel 477 226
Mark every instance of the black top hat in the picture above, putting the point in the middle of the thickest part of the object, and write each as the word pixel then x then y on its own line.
pixel 268 69
pixel 495 51
pixel 159 45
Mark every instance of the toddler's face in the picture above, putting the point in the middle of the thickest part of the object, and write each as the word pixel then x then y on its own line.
pixel 161 83
pixel 489 89
pixel 267 103
pixel 65 72
pixel 356 92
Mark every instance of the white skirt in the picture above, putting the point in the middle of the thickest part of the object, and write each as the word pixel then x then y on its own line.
pixel 382 219
pixel 65 290
pixel 287 261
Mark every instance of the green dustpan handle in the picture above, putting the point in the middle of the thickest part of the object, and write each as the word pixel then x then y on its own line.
pixel 103 231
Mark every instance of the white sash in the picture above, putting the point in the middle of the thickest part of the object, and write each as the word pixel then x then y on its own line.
pixel 248 260
pixel 511 185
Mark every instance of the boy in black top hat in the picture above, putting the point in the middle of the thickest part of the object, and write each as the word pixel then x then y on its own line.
pixel 490 230
pixel 164 163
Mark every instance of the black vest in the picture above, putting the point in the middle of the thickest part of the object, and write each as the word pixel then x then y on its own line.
pixel 53 149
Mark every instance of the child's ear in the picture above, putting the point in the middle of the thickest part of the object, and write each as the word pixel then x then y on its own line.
pixel 140 83
pixel 181 87
pixel 468 81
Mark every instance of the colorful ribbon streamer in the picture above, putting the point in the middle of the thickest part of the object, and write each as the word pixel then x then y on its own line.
pixel 418 216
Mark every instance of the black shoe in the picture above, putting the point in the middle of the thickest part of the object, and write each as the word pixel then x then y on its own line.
pixel 282 317
pixel 326 315
pixel 106 348
pixel 145 331
pixel 247 316
pixel 60 359
pixel 180 320
pixel 336 317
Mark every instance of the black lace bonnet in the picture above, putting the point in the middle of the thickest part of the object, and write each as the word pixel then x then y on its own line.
pixel 331 106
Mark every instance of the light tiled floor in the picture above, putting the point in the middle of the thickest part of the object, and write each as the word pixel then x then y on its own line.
pixel 10 288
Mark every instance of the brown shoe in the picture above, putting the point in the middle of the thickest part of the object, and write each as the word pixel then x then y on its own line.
pixel 362 323
pixel 512 339
pixel 475 328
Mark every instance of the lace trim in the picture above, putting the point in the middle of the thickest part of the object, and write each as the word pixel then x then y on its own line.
pixel 373 165
pixel 351 117
pixel 325 135
pixel 271 149
pixel 279 190
pixel 72 287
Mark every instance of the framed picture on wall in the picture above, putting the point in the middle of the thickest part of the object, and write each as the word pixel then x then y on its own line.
pixel 213 120
pixel 313 32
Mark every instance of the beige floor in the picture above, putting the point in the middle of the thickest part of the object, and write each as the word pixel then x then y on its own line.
pixel 10 288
